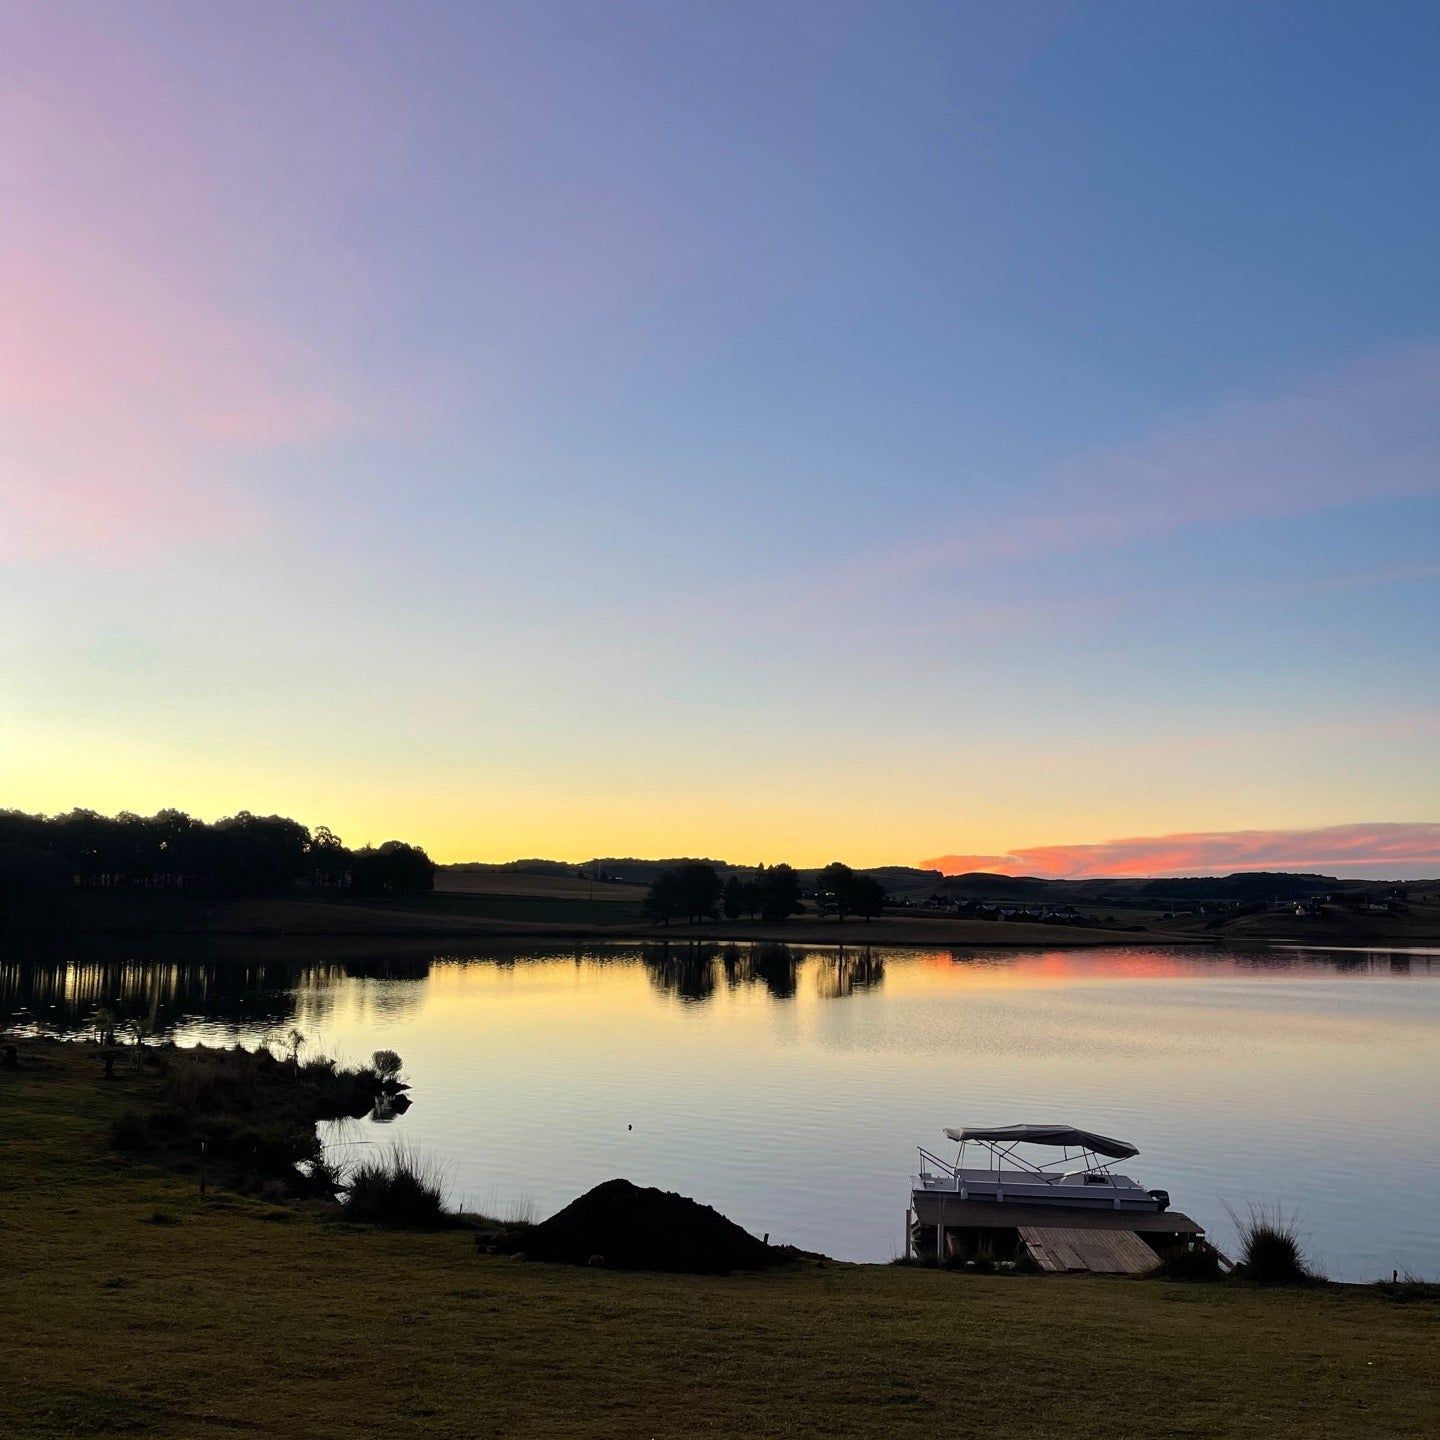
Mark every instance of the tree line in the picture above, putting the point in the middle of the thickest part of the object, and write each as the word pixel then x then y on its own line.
pixel 696 891
pixel 242 854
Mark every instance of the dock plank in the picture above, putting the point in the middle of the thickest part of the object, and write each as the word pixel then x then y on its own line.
pixel 1100 1252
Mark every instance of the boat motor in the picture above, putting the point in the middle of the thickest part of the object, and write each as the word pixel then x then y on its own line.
pixel 1160 1197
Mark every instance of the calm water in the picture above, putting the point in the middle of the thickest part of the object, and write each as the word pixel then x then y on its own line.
pixel 789 1087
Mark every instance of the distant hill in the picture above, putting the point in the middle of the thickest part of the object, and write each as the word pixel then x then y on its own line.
pixel 517 867
pixel 909 882
pixel 1242 885
pixel 627 868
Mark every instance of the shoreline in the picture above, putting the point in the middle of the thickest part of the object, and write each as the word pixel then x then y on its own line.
pixel 131 1253
pixel 219 943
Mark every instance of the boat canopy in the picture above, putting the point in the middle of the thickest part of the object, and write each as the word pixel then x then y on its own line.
pixel 1063 1135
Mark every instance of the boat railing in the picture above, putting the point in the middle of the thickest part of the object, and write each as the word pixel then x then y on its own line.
pixel 944 1165
pixel 1083 1162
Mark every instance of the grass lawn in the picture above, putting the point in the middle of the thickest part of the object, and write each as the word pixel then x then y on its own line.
pixel 129 1305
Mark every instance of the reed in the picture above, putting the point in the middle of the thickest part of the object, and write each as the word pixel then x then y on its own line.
pixel 1271 1252
pixel 405 1189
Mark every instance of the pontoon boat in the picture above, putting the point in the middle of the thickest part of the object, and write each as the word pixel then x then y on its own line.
pixel 1074 1213
pixel 1081 1179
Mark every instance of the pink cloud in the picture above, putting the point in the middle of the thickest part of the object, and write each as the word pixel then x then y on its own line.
pixel 135 383
pixel 1384 849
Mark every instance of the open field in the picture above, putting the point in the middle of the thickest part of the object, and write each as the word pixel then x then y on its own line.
pixel 457 916
pixel 508 904
pixel 132 1306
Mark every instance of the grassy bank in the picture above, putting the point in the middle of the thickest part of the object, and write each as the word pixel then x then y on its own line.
pixel 132 1305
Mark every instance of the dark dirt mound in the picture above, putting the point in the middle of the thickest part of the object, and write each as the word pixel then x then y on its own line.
pixel 620 1225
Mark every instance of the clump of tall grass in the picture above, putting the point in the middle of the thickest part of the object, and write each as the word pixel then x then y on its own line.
pixel 403 1188
pixel 1270 1249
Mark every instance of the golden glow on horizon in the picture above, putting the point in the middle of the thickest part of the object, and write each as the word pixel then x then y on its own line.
pixel 462 813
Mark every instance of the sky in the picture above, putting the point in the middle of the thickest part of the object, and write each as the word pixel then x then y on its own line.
pixel 955 432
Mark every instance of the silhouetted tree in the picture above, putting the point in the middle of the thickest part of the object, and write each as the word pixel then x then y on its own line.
pixel 329 860
pixel 733 898
pixel 700 889
pixel 662 902
pixel 777 893
pixel 835 889
pixel 867 896
pixel 394 868
pixel 693 890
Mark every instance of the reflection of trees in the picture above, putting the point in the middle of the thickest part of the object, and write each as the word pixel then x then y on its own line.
pixel 62 995
pixel 686 970
pixel 775 967
pixel 842 974
pixel 691 970
pixel 375 992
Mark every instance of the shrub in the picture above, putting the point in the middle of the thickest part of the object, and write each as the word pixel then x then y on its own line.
pixel 1198 1264
pixel 1270 1249
pixel 387 1065
pixel 403 1189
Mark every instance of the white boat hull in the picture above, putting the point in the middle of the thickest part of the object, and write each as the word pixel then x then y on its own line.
pixel 1027 1187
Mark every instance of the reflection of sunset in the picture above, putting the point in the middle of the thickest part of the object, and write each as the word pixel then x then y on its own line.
pixel 1042 969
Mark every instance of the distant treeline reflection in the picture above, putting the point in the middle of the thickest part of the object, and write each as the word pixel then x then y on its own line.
pixel 63 996
pixel 694 971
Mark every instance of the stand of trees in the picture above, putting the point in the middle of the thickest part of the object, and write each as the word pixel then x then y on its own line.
pixel 840 890
pixel 393 866
pixel 243 854
pixel 695 891
pixel 772 894
pixel 692 891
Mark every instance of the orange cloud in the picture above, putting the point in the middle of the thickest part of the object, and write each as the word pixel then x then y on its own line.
pixel 1380 849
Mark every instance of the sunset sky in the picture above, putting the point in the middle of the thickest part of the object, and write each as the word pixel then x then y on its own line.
pixel 999 435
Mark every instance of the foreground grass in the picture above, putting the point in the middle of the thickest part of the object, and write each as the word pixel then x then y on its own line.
pixel 130 1306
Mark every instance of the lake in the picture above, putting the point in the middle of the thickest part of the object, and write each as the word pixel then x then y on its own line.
pixel 789 1086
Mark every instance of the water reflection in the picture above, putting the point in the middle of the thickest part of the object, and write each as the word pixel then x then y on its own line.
pixel 63 995
pixel 787 1085
pixel 692 971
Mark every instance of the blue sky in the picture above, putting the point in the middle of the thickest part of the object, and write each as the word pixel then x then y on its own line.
pixel 757 430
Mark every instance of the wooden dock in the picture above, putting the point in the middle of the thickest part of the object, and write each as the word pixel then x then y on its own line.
pixel 1062 1249
pixel 1059 1239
